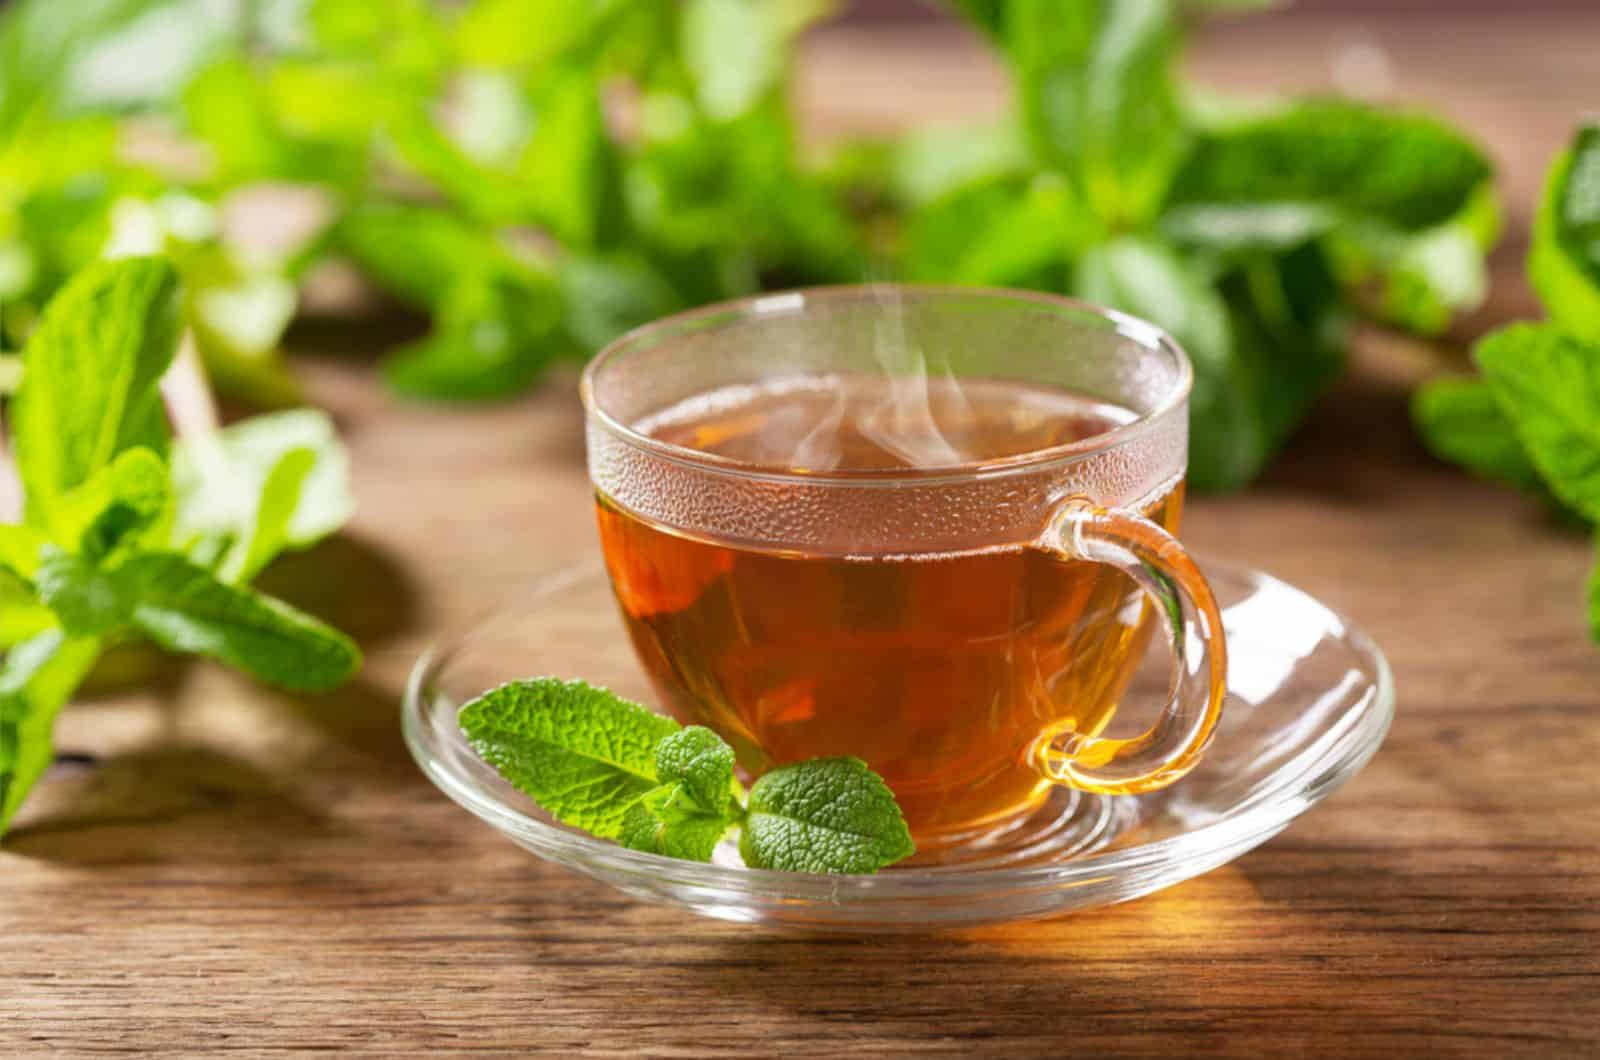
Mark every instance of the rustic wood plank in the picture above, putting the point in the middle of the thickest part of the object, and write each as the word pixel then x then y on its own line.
pixel 216 868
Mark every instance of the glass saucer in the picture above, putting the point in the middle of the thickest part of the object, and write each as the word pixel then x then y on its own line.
pixel 1310 699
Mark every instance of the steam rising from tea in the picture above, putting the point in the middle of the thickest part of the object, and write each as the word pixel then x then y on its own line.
pixel 827 423
pixel 914 412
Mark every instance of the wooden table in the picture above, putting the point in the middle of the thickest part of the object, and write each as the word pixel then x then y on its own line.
pixel 214 867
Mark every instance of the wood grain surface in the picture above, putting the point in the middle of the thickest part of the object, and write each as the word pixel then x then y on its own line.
pixel 214 868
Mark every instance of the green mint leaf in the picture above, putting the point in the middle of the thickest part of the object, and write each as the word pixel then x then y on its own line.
pixel 1290 325
pixel 1420 280
pixel 301 95
pixel 1005 232
pixel 250 486
pixel 1548 383
pixel 928 164
pixel 668 821
pixel 86 599
pixel 1333 160
pixel 1461 421
pixel 494 335
pixel 1151 280
pixel 569 167
pixel 237 315
pixel 1234 231
pixel 700 761
pixel 358 28
pixel 37 678
pixel 582 753
pixel 42 42
pixel 21 547
pixel 22 613
pixel 827 815
pixel 275 511
pixel 736 50
pixel 89 379
pixel 416 253
pixel 1428 278
pixel 1264 337
pixel 1564 263
pixel 1096 85
pixel 491 196
pixel 607 296
pixel 230 108
pixel 464 365
pixel 129 495
pixel 517 35
pixel 185 608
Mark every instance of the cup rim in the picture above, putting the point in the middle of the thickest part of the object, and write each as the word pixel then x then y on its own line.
pixel 785 303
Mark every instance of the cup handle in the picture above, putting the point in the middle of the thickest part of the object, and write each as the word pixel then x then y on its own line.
pixel 1156 561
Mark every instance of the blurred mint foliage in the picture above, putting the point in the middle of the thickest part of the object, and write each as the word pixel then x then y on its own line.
pixel 76 81
pixel 1532 419
pixel 537 176
pixel 1252 231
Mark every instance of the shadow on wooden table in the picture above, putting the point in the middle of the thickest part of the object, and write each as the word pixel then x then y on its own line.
pixel 350 582
pixel 170 803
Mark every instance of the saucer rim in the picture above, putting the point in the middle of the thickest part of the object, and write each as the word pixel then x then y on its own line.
pixel 1230 835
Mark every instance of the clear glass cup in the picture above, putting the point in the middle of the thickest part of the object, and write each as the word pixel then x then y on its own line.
pixel 1008 618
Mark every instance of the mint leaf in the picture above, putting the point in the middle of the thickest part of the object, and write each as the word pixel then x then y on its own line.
pixel 582 753
pixel 1096 86
pixel 1460 420
pixel 37 678
pixel 1007 232
pixel 607 296
pixel 569 167
pixel 185 608
pixel 735 50
pixel 275 511
pixel 490 195
pixel 87 600
pixel 230 108
pixel 702 763
pixel 22 614
pixel 20 548
pixel 827 815
pixel 128 495
pixel 415 252
pixel 245 488
pixel 1424 278
pixel 928 164
pixel 89 380
pixel 1264 337
pixel 1149 279
pixel 518 35
pixel 237 315
pixel 494 334
pixel 669 822
pixel 470 364
pixel 1548 383
pixel 1331 159
pixel 1564 263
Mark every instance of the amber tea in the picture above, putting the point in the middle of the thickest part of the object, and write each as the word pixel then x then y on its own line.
pixel 941 669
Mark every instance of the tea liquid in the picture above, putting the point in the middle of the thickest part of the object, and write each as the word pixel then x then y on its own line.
pixel 940 670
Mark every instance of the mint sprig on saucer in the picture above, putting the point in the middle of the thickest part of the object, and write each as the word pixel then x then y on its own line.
pixel 617 770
